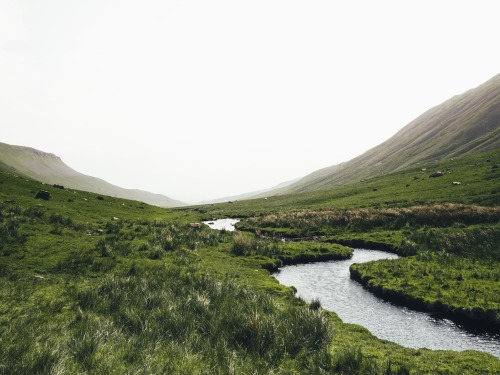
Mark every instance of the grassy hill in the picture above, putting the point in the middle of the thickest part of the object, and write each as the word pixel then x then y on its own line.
pixel 466 124
pixel 91 285
pixel 50 169
pixel 478 177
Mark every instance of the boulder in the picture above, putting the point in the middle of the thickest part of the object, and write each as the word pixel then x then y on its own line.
pixel 43 194
pixel 436 174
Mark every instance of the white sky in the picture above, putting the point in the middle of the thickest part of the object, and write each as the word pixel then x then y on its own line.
pixel 206 99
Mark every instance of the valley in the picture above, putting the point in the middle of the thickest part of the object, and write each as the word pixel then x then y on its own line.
pixel 99 281
pixel 96 266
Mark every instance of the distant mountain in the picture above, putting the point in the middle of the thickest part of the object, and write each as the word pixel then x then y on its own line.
pixel 463 125
pixel 252 195
pixel 50 169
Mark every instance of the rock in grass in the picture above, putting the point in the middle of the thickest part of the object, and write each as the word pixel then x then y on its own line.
pixel 43 194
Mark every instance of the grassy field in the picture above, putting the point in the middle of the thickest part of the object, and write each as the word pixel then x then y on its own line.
pixel 92 284
pixel 452 252
pixel 456 272
pixel 477 175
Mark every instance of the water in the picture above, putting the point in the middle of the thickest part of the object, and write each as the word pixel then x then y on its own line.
pixel 330 282
pixel 227 224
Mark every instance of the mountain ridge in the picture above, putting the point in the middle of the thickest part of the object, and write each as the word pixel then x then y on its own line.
pixel 50 169
pixel 464 124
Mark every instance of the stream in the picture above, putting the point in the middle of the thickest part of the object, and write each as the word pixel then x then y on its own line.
pixel 330 282
pixel 220 224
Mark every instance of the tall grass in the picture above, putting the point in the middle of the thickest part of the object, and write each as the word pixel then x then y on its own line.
pixel 436 215
pixel 175 320
pixel 246 244
pixel 213 319
pixel 456 267
pixel 474 243
pixel 14 217
pixel 172 236
pixel 154 239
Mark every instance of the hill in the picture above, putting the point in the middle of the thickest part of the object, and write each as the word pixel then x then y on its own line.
pixel 252 195
pixel 466 124
pixel 478 178
pixel 110 286
pixel 50 169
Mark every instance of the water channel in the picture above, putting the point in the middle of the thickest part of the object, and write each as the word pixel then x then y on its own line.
pixel 330 282
pixel 226 224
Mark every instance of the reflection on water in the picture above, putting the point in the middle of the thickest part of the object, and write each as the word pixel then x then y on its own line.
pixel 330 282
pixel 227 224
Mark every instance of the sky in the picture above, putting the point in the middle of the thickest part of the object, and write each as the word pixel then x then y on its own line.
pixel 200 100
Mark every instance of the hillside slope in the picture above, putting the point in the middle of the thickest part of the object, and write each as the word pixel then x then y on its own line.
pixel 463 125
pixel 50 169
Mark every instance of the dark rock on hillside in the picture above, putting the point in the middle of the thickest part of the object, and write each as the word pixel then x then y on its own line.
pixel 42 194
pixel 436 174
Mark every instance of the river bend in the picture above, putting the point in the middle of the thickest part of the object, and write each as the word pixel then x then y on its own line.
pixel 330 282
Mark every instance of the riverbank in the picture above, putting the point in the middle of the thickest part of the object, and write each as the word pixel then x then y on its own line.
pixel 331 284
pixel 92 284
pixel 461 290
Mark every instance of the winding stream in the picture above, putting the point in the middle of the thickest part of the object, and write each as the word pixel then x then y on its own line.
pixel 330 282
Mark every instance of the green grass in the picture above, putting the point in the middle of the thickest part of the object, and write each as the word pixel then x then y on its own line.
pixel 456 271
pixel 116 286
pixel 479 185
pixel 286 252
pixel 457 248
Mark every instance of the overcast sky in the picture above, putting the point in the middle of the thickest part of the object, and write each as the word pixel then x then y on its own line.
pixel 206 99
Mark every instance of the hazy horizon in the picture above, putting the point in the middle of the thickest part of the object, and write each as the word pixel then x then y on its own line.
pixel 203 100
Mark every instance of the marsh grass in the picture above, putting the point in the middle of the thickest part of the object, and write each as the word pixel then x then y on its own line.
pixel 174 319
pixel 173 236
pixel 350 360
pixel 325 221
pixel 211 318
pixel 245 244
pixel 458 268
pixel 473 243
pixel 110 293
pixel 286 252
